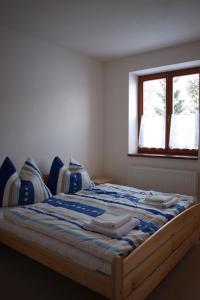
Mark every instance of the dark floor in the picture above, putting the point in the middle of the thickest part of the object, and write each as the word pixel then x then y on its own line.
pixel 21 278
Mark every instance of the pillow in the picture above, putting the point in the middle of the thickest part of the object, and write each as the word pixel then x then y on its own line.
pixel 33 188
pixel 78 178
pixel 9 184
pixel 75 165
pixel 28 188
pixel 55 171
pixel 68 179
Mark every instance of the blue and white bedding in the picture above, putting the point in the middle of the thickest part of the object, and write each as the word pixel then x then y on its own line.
pixel 66 250
pixel 62 217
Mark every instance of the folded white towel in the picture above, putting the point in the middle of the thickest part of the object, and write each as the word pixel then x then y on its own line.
pixel 159 198
pixel 114 233
pixel 167 204
pixel 111 221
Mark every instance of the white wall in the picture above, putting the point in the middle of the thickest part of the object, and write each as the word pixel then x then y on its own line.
pixel 50 103
pixel 116 94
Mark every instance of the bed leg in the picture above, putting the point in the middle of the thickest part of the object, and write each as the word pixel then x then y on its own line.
pixel 117 278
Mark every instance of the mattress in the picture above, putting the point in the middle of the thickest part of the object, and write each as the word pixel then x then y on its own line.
pixel 64 249
pixel 60 220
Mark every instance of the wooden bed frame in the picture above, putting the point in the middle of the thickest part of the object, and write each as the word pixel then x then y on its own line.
pixel 134 276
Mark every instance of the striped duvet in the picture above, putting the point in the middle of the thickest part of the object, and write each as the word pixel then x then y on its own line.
pixel 62 217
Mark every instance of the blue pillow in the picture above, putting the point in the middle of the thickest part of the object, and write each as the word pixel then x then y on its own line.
pixel 52 182
pixel 8 178
pixel 68 179
pixel 28 188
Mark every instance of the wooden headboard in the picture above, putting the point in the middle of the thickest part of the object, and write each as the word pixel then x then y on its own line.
pixel 45 177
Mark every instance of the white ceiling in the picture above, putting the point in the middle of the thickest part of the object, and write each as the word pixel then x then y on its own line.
pixel 105 28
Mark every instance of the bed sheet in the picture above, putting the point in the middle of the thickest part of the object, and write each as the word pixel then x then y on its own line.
pixel 64 249
pixel 62 218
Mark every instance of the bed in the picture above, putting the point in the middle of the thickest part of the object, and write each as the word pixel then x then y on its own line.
pixel 118 269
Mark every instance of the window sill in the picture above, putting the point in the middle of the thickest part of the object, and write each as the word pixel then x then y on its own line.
pixel 164 156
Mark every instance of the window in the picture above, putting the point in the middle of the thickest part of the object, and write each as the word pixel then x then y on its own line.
pixel 168 113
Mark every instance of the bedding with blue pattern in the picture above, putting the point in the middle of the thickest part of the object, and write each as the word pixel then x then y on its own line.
pixel 63 216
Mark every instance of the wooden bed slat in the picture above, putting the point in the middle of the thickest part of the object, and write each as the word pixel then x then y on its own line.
pixel 152 281
pixel 89 278
pixel 137 276
pixel 134 278
pixel 160 237
pixel 117 279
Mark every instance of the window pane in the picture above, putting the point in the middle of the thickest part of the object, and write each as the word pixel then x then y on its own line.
pixel 152 127
pixel 154 97
pixel 186 94
pixel 152 132
pixel 184 131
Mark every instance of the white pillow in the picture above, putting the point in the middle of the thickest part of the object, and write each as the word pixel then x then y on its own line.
pixel 68 179
pixel 23 189
pixel 33 188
